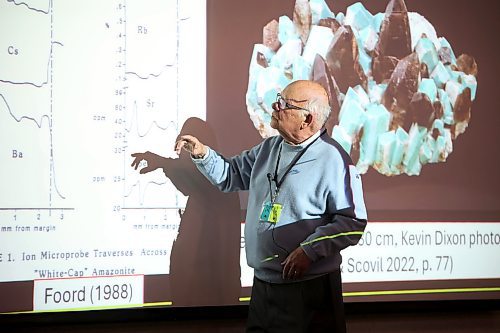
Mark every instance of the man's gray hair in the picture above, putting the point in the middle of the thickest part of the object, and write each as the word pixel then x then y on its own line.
pixel 319 109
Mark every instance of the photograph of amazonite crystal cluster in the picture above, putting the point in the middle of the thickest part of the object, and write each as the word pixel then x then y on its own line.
pixel 398 93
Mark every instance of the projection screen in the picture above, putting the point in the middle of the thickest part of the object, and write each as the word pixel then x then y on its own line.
pixel 85 84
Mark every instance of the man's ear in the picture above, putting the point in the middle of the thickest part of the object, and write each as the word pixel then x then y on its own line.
pixel 307 121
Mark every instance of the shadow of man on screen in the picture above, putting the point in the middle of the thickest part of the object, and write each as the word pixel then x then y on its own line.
pixel 205 257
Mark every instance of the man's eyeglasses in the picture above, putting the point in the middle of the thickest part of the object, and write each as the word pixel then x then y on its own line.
pixel 282 104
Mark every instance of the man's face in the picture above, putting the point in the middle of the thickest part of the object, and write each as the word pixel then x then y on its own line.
pixel 288 115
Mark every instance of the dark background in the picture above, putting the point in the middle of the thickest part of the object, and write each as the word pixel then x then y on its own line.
pixel 464 188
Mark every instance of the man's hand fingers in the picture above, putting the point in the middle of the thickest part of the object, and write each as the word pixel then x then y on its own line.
pixel 190 144
pixel 183 144
pixel 186 142
pixel 296 264
pixel 291 272
pixel 288 269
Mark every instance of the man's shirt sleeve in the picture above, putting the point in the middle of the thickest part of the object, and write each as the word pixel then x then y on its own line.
pixel 228 174
pixel 347 217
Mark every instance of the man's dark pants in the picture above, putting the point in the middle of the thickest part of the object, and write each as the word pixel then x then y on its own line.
pixel 309 306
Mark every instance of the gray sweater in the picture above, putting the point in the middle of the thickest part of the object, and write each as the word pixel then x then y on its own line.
pixel 321 198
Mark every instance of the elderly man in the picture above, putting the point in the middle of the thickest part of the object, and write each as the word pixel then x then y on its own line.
pixel 305 205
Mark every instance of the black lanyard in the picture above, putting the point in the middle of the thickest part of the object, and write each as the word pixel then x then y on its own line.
pixel 290 166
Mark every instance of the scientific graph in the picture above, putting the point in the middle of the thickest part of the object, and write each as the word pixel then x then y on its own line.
pixel 83 85
pixel 27 123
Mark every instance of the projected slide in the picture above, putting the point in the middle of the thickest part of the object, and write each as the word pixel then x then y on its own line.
pixel 83 84
pixel 400 99
pixel 86 84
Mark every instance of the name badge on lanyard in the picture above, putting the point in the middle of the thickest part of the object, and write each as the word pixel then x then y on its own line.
pixel 271 212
